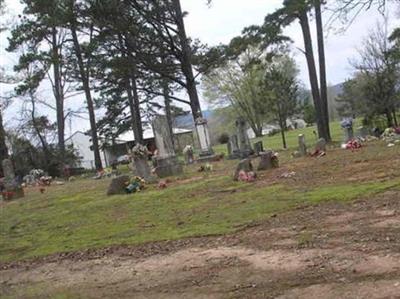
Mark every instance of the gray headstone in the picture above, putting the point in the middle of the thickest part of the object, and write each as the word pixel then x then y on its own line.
pixel 243 139
pixel 244 165
pixel 118 185
pixel 302 145
pixel 321 145
pixel 143 169
pixel 168 167
pixel 166 161
pixel 229 148
pixel 265 161
pixel 163 137
pixel 233 147
pixel 141 164
pixel 234 143
pixel 258 147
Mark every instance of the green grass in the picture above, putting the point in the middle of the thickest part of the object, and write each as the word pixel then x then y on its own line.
pixel 79 215
pixel 275 142
pixel 43 290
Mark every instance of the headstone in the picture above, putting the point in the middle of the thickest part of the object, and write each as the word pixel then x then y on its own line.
pixel 321 145
pixel 167 162
pixel 140 156
pixel 302 145
pixel 244 165
pixel 204 138
pixel 258 147
pixel 347 125
pixel 229 148
pixel 265 161
pixel 233 147
pixel 243 139
pixel 11 186
pixel 118 185
pixel 189 154
pixel 8 169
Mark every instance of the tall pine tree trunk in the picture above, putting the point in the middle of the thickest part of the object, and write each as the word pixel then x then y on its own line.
pixel 136 105
pixel 135 118
pixel 131 89
pixel 168 114
pixel 86 87
pixel 186 62
pixel 312 72
pixel 322 69
pixel 59 95
pixel 282 125
pixel 42 139
pixel 3 145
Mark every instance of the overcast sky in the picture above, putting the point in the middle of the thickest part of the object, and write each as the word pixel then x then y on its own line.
pixel 225 19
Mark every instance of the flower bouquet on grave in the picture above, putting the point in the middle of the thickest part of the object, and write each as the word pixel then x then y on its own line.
pixel 140 151
pixel 135 185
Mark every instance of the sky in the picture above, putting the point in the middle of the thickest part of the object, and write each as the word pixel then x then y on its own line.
pixel 225 19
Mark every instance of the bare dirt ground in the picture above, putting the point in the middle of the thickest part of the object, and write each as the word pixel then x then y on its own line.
pixel 329 251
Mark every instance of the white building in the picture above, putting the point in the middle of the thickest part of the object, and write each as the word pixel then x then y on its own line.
pixel 82 144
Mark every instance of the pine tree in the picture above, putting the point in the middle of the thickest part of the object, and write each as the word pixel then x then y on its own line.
pixel 41 36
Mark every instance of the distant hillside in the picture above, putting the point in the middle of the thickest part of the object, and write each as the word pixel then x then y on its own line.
pixel 336 89
pixel 186 121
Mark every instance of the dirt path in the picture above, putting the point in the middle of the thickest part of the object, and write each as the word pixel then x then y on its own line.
pixel 329 251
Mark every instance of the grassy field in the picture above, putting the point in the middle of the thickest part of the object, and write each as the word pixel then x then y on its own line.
pixel 79 215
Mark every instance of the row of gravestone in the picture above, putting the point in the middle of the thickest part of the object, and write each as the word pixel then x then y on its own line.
pixel 239 146
pixel 166 162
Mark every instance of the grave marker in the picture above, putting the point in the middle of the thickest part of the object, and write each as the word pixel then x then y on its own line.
pixel 167 162
pixel 243 139
pixel 302 145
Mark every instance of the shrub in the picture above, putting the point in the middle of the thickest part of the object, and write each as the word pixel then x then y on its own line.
pixel 223 138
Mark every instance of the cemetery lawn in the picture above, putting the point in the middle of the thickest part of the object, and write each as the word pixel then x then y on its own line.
pixel 275 141
pixel 332 228
pixel 79 216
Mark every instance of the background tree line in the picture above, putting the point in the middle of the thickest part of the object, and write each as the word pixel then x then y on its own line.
pixel 131 58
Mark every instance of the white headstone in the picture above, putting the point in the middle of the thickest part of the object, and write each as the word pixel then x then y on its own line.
pixel 204 137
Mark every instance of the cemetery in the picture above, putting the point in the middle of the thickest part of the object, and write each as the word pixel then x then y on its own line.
pixel 244 198
pixel 198 149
